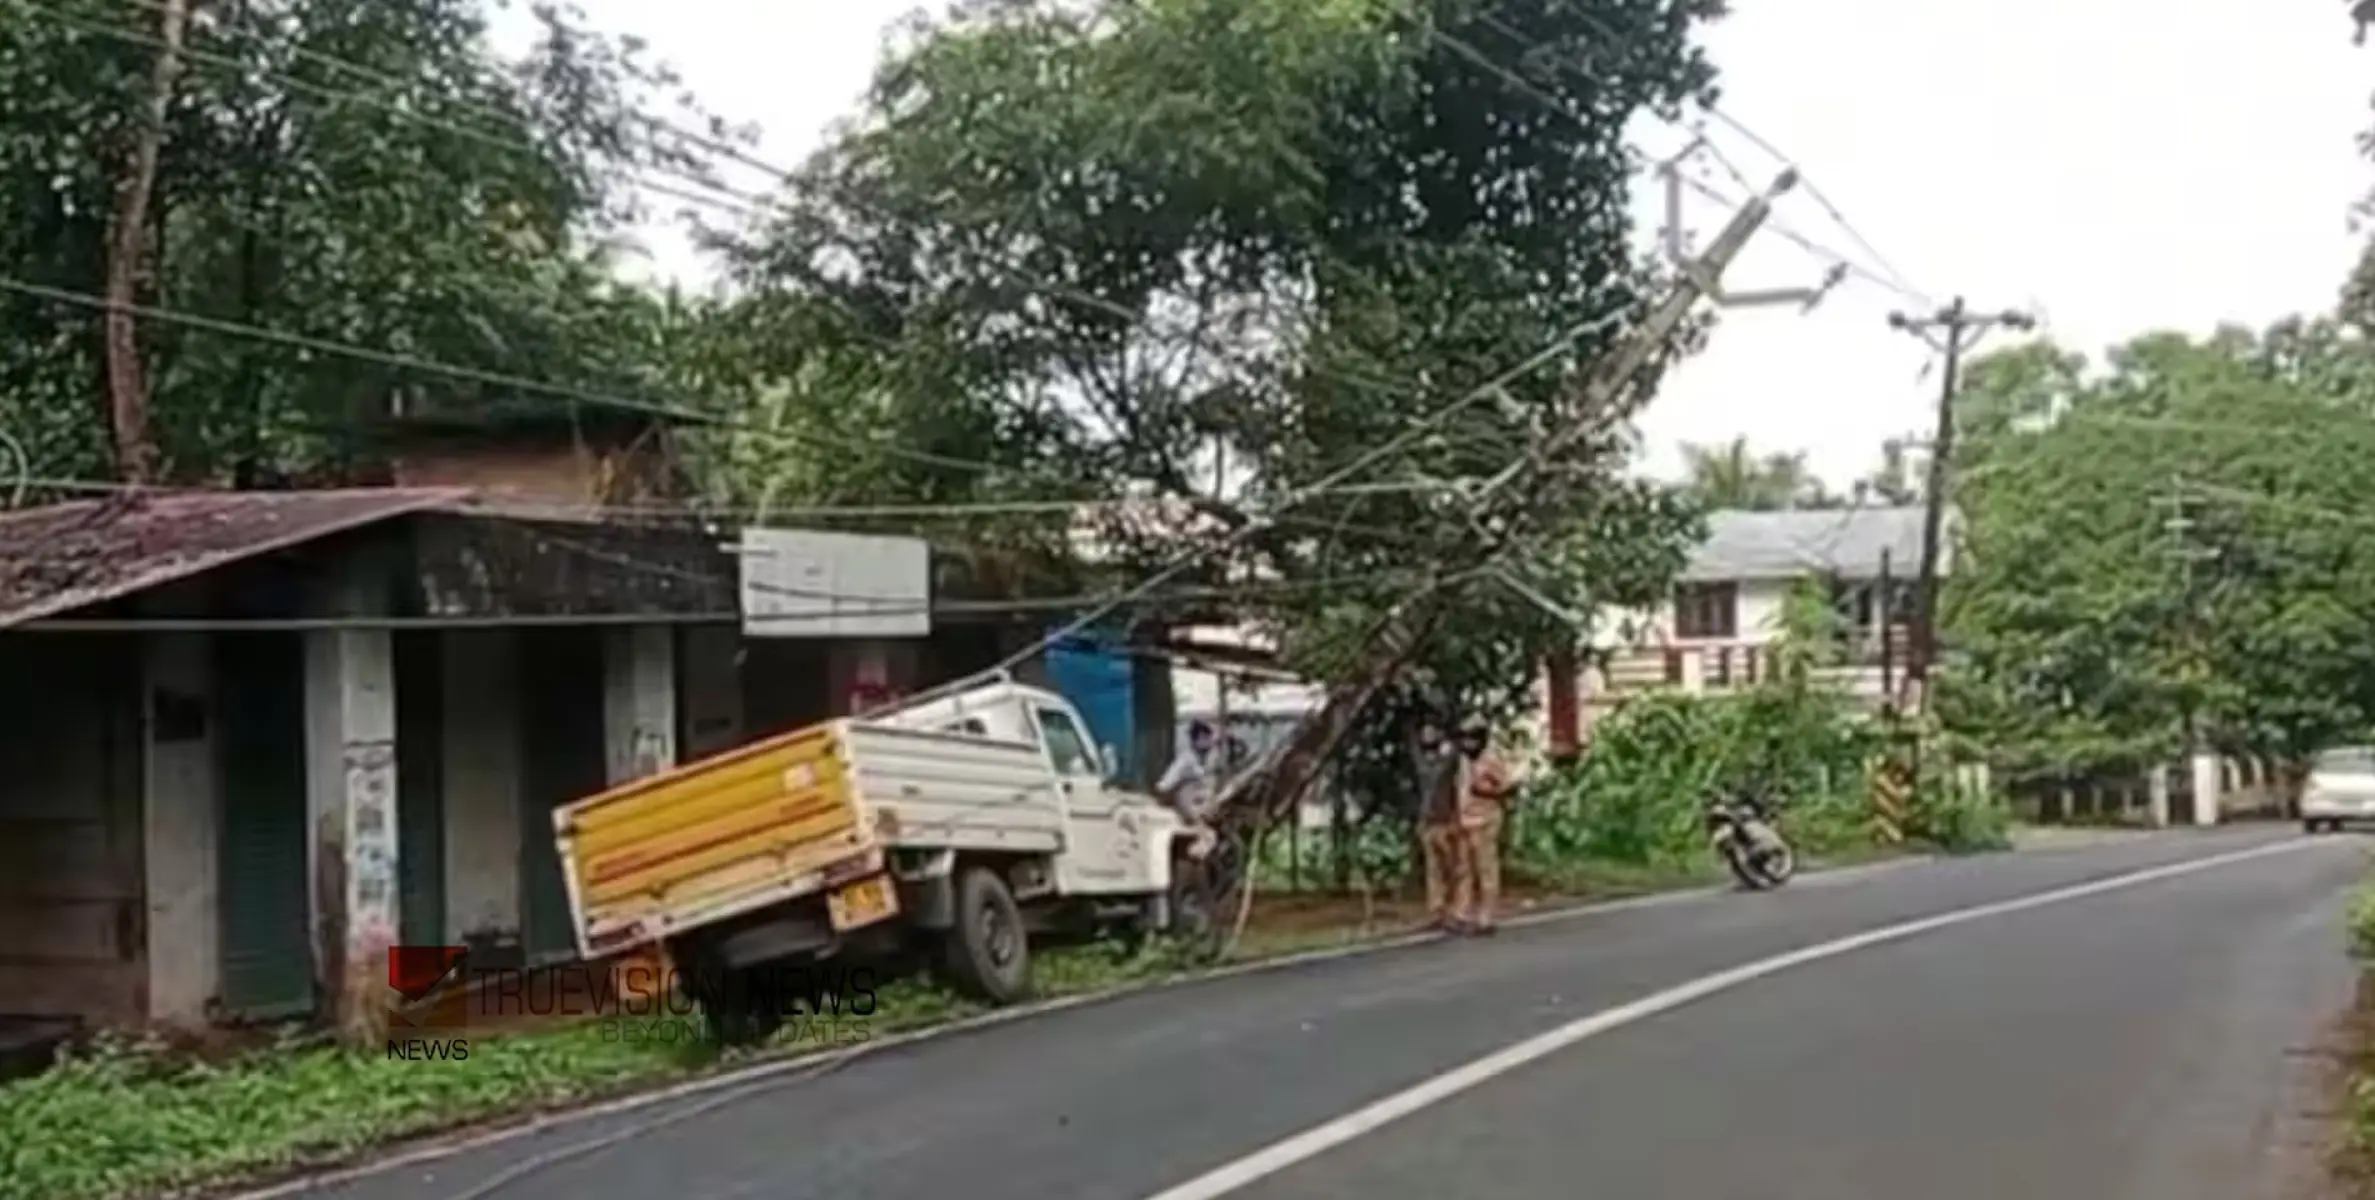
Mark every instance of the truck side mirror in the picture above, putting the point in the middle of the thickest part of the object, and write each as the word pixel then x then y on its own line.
pixel 1110 758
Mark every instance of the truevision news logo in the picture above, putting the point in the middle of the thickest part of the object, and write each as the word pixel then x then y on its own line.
pixel 440 993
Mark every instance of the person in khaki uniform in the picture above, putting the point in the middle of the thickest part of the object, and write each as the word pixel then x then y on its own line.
pixel 1485 786
pixel 1439 826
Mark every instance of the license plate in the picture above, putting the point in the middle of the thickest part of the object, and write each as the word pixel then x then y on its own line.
pixel 862 903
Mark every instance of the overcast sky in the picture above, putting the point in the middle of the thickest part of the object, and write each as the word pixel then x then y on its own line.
pixel 2112 165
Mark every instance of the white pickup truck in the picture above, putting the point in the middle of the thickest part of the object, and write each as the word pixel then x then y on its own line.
pixel 963 823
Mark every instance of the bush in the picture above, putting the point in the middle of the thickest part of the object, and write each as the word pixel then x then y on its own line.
pixel 1956 817
pixel 1637 793
pixel 2361 922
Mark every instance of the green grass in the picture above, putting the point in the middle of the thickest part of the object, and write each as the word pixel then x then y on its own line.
pixel 2354 1149
pixel 125 1118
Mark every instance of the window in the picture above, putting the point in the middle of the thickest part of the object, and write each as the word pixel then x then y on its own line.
pixel 1065 747
pixel 1706 610
pixel 969 727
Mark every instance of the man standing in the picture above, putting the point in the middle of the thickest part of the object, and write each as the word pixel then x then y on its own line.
pixel 1439 826
pixel 1485 785
pixel 1187 785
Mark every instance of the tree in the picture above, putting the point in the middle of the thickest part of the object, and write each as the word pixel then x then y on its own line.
pixel 2079 637
pixel 1089 243
pixel 363 171
pixel 1732 476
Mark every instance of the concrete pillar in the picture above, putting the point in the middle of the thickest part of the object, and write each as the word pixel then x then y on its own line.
pixel 350 735
pixel 638 701
pixel 2207 778
pixel 2158 787
pixel 710 686
pixel 482 785
pixel 181 814
pixel 1694 671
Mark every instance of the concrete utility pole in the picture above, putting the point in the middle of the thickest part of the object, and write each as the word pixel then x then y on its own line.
pixel 1496 504
pixel 1962 328
pixel 2185 550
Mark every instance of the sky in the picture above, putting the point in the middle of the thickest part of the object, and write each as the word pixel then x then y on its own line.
pixel 2111 167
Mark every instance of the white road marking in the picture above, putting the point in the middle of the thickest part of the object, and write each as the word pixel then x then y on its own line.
pixel 1278 1156
pixel 762 1075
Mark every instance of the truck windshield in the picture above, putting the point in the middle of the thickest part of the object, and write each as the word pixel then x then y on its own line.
pixel 1065 747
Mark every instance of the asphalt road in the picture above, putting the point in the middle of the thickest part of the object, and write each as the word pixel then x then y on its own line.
pixel 2139 1042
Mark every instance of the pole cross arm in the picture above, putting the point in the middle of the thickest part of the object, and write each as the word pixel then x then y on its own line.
pixel 1706 276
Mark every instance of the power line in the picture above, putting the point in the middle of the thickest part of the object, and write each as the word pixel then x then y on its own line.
pixel 714 145
pixel 741 203
pixel 1902 283
pixel 409 362
pixel 1037 284
pixel 749 205
pixel 1801 241
pixel 1888 277
pixel 697 510
pixel 1491 388
pixel 881 606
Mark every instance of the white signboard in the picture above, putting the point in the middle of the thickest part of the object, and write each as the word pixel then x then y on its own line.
pixel 802 584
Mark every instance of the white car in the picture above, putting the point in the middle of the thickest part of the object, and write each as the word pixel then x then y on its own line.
pixel 2340 789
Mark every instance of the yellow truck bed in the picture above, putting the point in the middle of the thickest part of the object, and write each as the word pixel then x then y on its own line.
pixel 709 839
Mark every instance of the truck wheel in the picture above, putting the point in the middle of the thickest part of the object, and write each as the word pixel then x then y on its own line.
pixel 988 951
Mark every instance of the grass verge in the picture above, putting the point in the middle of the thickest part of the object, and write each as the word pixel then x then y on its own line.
pixel 129 1117
pixel 2354 1148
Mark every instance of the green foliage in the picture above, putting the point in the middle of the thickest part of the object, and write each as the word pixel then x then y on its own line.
pixel 1733 476
pixel 1638 792
pixel 123 1118
pixel 431 199
pixel 1086 243
pixel 2361 923
pixel 2086 628
pixel 1956 815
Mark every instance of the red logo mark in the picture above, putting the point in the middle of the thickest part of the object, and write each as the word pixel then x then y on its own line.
pixel 415 971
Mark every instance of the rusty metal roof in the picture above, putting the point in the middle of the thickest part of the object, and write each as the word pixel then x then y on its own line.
pixel 62 557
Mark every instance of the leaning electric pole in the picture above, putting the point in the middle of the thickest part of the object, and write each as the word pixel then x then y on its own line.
pixel 1961 328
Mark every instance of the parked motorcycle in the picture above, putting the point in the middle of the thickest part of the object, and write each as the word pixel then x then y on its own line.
pixel 1744 837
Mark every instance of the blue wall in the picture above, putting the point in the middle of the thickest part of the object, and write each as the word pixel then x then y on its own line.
pixel 1099 681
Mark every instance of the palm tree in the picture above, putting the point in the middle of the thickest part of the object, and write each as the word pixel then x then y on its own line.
pixel 1733 476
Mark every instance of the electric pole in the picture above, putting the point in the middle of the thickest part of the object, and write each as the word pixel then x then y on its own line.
pixel 2185 549
pixel 1962 328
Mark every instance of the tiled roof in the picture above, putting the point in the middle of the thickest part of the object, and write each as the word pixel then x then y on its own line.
pixel 65 556
pixel 1782 545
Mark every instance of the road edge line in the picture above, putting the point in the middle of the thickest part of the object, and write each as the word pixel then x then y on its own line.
pixel 1246 1170
pixel 435 1147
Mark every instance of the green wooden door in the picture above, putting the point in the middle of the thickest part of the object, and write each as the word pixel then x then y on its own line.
pixel 560 760
pixel 420 788
pixel 263 902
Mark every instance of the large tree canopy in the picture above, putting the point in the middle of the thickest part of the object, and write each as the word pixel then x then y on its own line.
pixel 1097 245
pixel 361 171
pixel 2186 530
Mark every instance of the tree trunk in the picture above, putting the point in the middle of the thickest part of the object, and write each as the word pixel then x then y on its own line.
pixel 127 382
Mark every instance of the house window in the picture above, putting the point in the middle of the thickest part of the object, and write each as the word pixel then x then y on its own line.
pixel 1707 610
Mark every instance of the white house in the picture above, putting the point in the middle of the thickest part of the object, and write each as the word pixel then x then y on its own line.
pixel 1717 630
